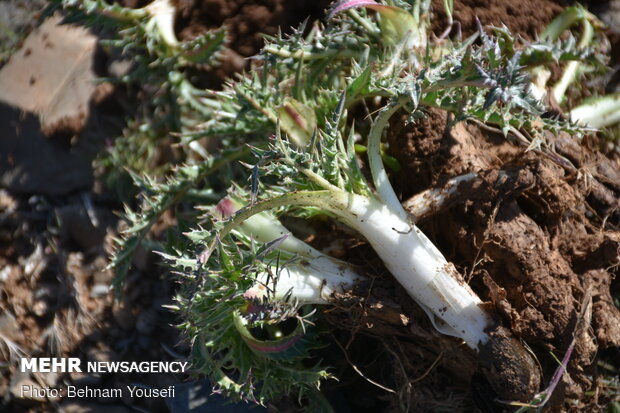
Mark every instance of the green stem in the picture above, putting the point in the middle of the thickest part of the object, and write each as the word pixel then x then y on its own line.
pixel 369 27
pixel 563 22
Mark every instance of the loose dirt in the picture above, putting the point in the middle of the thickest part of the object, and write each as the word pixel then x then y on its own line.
pixel 533 245
pixel 525 17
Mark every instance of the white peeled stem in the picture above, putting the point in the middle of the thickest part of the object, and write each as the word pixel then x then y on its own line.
pixel 538 86
pixel 265 227
pixel 305 281
pixel 598 112
pixel 416 263
pixel 312 278
pixel 572 68
pixel 407 253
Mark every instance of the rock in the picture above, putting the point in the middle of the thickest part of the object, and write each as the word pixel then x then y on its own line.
pixel 48 89
pixel 8 203
pixel 5 273
pixel 99 290
pixel 52 75
pixel 41 308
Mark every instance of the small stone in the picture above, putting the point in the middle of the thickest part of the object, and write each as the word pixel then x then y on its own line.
pixel 5 273
pixel 99 290
pixel 41 308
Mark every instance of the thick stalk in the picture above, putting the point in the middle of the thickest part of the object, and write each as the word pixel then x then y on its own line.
pixel 417 265
pixel 436 285
pixel 407 253
pixel 311 279
pixel 305 282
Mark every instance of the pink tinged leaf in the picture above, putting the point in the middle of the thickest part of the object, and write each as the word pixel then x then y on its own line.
pixel 226 208
pixel 296 116
pixel 349 4
pixel 297 120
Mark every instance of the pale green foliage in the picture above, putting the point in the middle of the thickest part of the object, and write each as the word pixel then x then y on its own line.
pixel 208 304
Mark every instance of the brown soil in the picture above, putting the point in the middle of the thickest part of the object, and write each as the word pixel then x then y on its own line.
pixel 533 247
pixel 532 251
pixel 523 17
pixel 535 244
pixel 246 22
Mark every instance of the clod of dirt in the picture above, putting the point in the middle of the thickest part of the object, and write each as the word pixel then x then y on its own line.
pixel 509 368
pixel 532 246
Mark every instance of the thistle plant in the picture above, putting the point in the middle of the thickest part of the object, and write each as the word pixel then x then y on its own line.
pixel 597 111
pixel 247 284
pixel 299 95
